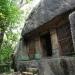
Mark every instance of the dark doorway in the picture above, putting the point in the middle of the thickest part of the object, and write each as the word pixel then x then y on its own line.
pixel 46 44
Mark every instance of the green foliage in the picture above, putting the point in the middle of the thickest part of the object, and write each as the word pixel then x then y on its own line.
pixel 9 42
pixel 9 15
pixel 9 12
pixel 6 51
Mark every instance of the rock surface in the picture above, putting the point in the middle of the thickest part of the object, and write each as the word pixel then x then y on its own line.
pixel 72 25
pixel 53 66
pixel 45 11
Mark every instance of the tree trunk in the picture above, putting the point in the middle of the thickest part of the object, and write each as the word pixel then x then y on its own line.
pixel 1 37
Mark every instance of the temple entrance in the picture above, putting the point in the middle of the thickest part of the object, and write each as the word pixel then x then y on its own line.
pixel 46 44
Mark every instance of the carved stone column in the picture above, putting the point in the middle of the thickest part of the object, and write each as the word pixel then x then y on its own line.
pixel 54 42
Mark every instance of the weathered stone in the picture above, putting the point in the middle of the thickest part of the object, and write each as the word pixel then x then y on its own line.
pixel 45 11
pixel 72 25
pixel 53 66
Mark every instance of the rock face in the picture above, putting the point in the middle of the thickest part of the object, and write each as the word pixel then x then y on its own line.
pixel 52 66
pixel 45 11
pixel 72 23
pixel 63 66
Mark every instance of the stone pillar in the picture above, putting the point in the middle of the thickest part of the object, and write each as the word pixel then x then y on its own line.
pixel 38 48
pixel 54 41
pixel 72 25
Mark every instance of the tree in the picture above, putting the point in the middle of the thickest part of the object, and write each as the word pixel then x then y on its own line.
pixel 9 15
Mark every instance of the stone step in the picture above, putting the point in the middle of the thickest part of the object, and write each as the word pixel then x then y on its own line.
pixel 27 73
